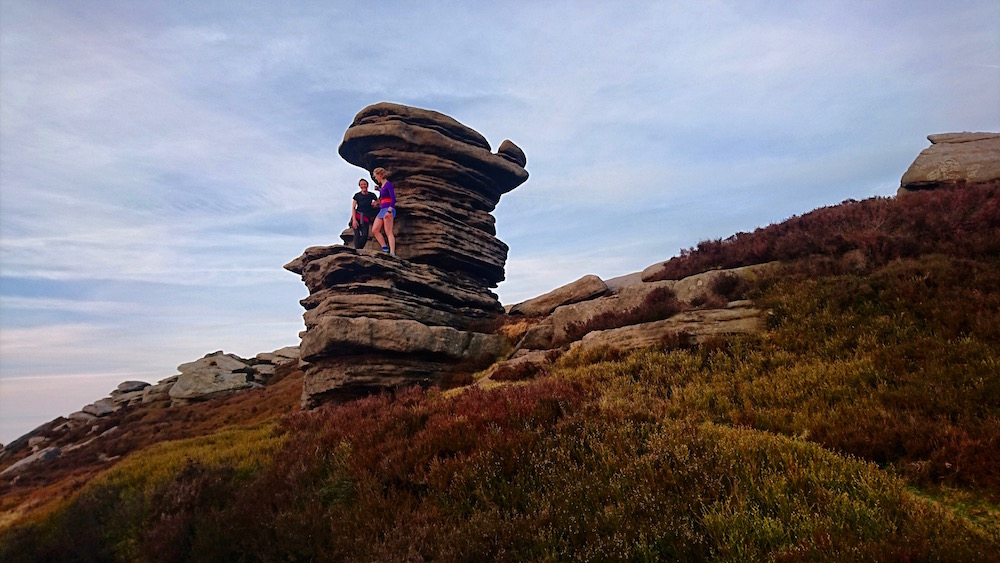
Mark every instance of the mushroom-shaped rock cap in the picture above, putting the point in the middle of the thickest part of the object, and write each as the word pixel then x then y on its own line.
pixel 409 141
pixel 513 153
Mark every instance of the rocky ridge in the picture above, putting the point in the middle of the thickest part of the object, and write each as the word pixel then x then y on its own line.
pixel 214 376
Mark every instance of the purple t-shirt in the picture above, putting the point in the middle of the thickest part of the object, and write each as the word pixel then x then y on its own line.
pixel 387 195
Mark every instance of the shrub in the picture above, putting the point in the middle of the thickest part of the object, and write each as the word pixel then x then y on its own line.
pixel 962 222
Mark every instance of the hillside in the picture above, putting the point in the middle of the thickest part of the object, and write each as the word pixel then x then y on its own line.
pixel 861 423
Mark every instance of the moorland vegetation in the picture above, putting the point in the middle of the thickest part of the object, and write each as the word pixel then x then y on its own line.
pixel 862 424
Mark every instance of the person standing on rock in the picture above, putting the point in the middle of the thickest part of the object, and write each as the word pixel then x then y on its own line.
pixel 363 212
pixel 387 211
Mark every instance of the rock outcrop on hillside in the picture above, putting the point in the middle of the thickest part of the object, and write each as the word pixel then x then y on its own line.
pixel 696 312
pixel 954 159
pixel 374 321
pixel 214 376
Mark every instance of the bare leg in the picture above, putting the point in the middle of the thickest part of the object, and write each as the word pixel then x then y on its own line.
pixel 377 231
pixel 389 234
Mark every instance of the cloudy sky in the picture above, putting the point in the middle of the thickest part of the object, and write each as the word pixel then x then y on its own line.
pixel 160 161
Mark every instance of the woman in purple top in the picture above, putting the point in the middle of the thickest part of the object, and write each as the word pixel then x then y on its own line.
pixel 387 211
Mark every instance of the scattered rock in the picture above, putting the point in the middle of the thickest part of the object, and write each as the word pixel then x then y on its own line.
pixel 216 375
pixel 100 407
pixel 738 317
pixel 280 356
pixel 81 418
pixel 37 457
pixel 130 386
pixel 617 284
pixel 159 392
pixel 126 399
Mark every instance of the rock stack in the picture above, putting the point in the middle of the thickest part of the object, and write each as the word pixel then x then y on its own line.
pixel 375 321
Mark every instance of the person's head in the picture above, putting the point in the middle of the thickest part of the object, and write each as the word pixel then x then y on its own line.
pixel 363 184
pixel 380 174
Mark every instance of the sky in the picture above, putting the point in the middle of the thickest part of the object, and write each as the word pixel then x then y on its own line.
pixel 160 161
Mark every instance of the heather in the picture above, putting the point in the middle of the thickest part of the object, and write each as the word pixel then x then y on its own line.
pixel 862 424
pixel 953 222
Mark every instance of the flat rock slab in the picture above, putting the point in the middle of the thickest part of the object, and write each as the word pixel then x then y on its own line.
pixel 739 317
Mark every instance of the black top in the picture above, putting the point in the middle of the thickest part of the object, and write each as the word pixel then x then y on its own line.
pixel 365 201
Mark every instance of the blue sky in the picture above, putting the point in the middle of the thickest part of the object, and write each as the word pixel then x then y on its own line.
pixel 161 161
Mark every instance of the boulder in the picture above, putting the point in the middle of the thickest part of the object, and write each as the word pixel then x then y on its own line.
pixel 618 283
pixel 126 399
pixel 954 159
pixel 205 385
pixel 20 466
pixel 215 375
pixel 100 407
pixel 699 325
pixel 215 361
pixel 263 372
pixel 447 183
pixel 158 393
pixel 130 386
pixel 529 361
pixel 80 418
pixel 280 356
pixel 557 329
pixel 587 287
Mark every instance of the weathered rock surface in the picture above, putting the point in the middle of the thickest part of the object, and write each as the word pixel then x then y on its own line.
pixel 954 159
pixel 215 375
pixel 37 457
pixel 556 329
pixel 447 183
pixel 100 407
pixel 738 317
pixel 587 287
pixel 345 282
pixel 376 322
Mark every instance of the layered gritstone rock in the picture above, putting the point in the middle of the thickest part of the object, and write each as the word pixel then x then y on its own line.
pixel 447 183
pixel 374 321
pixel 954 159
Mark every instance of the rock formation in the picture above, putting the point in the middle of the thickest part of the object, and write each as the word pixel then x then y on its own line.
pixel 954 159
pixel 583 289
pixel 216 375
pixel 375 321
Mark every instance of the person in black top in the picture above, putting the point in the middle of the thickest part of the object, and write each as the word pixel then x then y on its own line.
pixel 362 213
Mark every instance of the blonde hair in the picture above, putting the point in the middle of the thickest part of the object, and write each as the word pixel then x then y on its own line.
pixel 380 171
